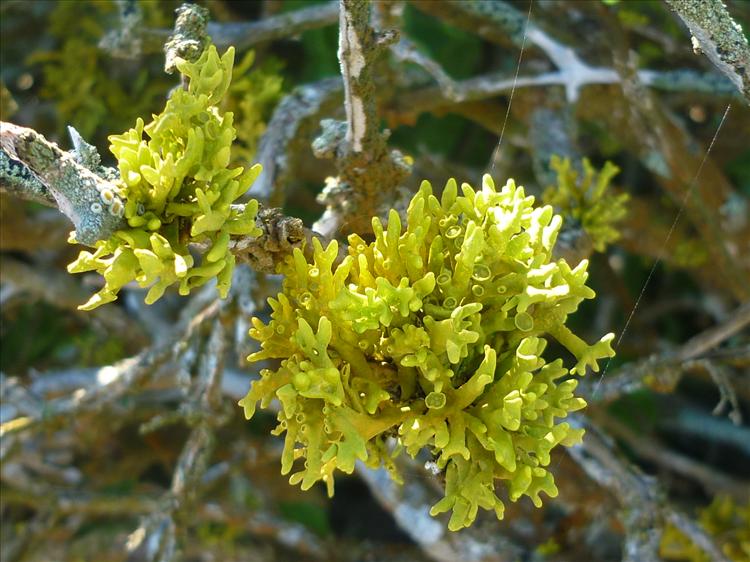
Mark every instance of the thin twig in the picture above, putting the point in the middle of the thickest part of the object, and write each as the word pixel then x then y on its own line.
pixel 712 480
pixel 244 35
pixel 112 382
pixel 290 131
pixel 666 369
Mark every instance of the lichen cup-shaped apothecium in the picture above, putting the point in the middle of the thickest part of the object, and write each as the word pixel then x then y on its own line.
pixel 432 337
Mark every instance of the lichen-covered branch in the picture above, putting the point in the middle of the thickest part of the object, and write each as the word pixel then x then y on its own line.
pixel 499 21
pixel 17 180
pixel 65 503
pixel 127 40
pixel 162 531
pixel 133 39
pixel 710 338
pixel 490 85
pixel 158 536
pixel 112 382
pixel 390 14
pixel 54 422
pixel 551 134
pixel 494 21
pixel 719 37
pixel 690 177
pixel 190 37
pixel 357 43
pixel 368 173
pixel 77 191
pixel 572 72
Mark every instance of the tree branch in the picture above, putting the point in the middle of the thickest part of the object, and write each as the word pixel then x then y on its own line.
pixel 712 480
pixel 719 37
pixel 77 191
pixel 288 132
pixel 111 383
pixel 500 22
pixel 189 38
pixel 666 369
pixel 689 176
pixel 493 84
pixel 368 173
pixel 244 35
pixel 497 22
pixel 133 39
pixel 644 506
pixel 17 180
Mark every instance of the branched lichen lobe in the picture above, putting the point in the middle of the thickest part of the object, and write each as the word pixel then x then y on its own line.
pixel 177 188
pixel 433 334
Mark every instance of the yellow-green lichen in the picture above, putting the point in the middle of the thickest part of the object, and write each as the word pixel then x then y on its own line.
pixel 587 199
pixel 726 521
pixel 178 190
pixel 251 97
pixel 434 336
pixel 91 90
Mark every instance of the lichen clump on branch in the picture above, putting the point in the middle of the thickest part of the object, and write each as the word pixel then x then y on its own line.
pixel 433 336
pixel 588 199
pixel 178 190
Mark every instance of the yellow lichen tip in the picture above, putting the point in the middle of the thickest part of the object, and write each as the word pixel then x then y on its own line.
pixel 432 333
pixel 588 199
pixel 178 190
